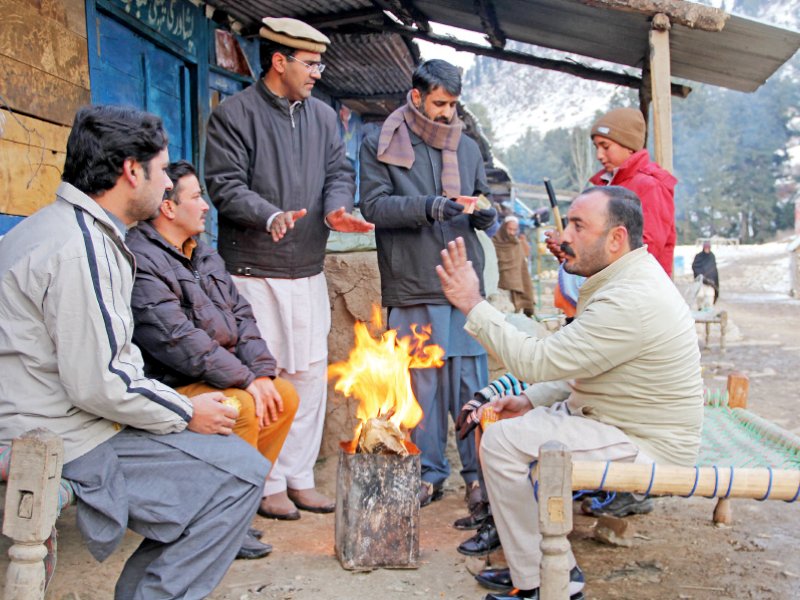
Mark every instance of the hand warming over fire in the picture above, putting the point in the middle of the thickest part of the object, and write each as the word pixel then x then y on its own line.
pixel 508 407
pixel 459 280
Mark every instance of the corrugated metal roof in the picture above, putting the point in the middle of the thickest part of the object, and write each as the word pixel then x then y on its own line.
pixel 742 56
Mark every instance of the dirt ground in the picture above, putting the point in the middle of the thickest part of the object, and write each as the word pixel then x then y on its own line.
pixel 677 554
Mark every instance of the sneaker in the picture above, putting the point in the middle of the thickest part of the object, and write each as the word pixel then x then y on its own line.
pixel 617 505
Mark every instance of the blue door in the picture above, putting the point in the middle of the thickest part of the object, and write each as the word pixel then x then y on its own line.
pixel 127 69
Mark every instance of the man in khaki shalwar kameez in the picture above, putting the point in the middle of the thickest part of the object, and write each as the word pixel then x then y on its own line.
pixel 621 382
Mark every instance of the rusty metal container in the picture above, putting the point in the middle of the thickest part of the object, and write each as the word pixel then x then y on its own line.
pixel 377 509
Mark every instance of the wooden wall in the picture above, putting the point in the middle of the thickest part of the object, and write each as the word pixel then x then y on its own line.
pixel 45 66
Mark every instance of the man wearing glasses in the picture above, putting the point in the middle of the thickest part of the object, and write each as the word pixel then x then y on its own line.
pixel 277 172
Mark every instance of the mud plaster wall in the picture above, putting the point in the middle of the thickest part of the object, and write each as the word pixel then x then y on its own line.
pixel 354 285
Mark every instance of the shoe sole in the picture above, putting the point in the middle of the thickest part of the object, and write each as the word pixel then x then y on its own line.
pixel 481 553
pixel 292 516
pixel 490 585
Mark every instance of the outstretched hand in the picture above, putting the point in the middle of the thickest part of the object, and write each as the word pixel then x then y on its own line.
pixel 342 221
pixel 459 280
pixel 284 222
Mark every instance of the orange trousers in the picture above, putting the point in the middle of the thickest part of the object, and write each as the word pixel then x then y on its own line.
pixel 267 440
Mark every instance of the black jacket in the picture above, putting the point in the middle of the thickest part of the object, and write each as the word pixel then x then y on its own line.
pixel 191 324
pixel 264 156
pixel 409 245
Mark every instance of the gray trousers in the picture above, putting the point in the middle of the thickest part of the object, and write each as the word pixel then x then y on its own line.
pixel 442 392
pixel 191 496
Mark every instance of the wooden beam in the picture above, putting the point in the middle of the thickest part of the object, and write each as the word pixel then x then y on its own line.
pixel 405 11
pixel 490 24
pixel 688 14
pixel 660 82
pixel 344 18
pixel 571 68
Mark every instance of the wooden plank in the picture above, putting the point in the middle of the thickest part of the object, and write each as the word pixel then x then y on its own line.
pixel 70 13
pixel 36 93
pixel 661 85
pixel 42 43
pixel 32 154
pixel 28 130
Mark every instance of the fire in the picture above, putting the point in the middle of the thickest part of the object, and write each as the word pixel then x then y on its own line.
pixel 377 372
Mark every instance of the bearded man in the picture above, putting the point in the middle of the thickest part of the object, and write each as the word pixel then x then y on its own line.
pixel 416 175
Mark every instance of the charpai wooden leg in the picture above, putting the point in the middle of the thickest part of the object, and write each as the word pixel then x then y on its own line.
pixel 30 510
pixel 722 512
pixel 555 519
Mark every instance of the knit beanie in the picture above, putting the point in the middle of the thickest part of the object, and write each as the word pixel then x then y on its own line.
pixel 625 126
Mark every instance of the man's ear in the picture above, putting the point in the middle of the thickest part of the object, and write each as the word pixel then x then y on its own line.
pixel 618 239
pixel 132 171
pixel 167 209
pixel 279 62
pixel 416 97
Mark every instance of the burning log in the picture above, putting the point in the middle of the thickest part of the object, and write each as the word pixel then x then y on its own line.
pixel 377 504
pixel 381 436
pixel 377 509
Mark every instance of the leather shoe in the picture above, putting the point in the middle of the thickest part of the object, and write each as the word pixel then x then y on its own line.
pixel 526 595
pixel 482 543
pixel 252 548
pixel 428 493
pixel 477 515
pixel 311 500
pixel 495 579
pixel 576 583
pixel 278 506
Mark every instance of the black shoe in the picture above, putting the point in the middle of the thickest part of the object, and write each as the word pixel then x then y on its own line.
pixel 429 493
pixel 256 533
pixel 495 579
pixel 482 543
pixel 526 595
pixel 576 583
pixel 252 548
pixel 617 505
pixel 477 515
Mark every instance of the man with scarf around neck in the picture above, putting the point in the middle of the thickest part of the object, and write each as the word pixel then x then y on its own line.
pixel 277 172
pixel 411 173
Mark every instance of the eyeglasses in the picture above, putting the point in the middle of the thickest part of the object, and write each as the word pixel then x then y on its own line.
pixel 312 67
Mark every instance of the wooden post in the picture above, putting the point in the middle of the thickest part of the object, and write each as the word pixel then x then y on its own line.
pixel 31 509
pixel 660 75
pixel 738 388
pixel 555 519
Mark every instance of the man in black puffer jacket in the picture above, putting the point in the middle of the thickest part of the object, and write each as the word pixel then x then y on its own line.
pixel 195 331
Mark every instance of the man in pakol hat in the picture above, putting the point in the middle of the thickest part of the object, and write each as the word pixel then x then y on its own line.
pixel 277 172
pixel 413 171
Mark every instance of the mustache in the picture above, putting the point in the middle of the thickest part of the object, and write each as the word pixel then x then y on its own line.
pixel 567 249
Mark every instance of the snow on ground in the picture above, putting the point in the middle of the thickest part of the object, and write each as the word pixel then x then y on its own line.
pixel 752 269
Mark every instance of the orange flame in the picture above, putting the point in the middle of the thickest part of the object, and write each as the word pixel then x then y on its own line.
pixel 377 372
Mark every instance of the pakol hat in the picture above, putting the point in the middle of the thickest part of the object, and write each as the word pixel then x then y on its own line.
pixel 294 34
pixel 625 126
